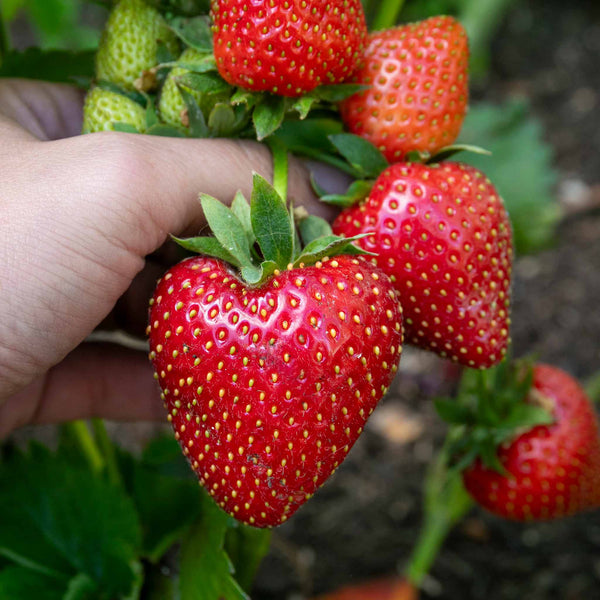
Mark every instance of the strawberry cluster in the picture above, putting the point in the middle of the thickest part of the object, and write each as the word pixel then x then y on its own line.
pixel 275 345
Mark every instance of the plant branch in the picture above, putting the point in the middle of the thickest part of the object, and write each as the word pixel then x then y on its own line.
pixel 107 449
pixel 81 432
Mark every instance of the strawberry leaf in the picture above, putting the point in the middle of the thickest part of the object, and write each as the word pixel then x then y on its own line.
pixel 125 127
pixel 241 209
pixel 221 120
pixel 357 191
pixel 46 504
pixel 271 223
pixel 365 158
pixel 303 105
pixel 206 83
pixel 205 65
pixel 452 412
pixel 194 31
pixel 206 572
pixel 165 131
pixel 21 583
pixel 268 115
pixel 338 92
pixel 329 246
pixel 227 229
pixel 312 228
pixel 449 151
pixel 197 123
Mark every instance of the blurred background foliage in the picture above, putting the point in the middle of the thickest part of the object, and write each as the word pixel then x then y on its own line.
pixel 55 40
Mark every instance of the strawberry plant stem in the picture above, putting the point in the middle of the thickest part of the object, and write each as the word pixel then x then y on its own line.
pixel 81 432
pixel 446 503
pixel 107 449
pixel 387 15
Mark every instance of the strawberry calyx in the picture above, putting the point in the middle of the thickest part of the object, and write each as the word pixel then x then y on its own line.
pixel 491 407
pixel 260 237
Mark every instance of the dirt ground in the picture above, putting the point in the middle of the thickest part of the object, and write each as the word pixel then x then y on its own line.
pixel 363 523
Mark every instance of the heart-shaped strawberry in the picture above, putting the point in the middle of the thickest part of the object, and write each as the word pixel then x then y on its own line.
pixel 269 385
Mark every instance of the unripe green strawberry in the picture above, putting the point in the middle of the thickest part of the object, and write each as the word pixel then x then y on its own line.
pixel 130 42
pixel 103 108
pixel 171 104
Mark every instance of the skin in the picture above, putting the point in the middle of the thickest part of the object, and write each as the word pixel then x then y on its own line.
pixel 84 223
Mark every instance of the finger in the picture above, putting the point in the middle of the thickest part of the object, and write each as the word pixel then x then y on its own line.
pixel 48 111
pixel 96 380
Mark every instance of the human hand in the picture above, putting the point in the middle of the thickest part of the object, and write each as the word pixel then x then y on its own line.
pixel 80 215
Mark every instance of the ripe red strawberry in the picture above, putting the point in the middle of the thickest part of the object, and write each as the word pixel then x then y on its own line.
pixel 442 234
pixel 553 470
pixel 419 88
pixel 268 385
pixel 287 47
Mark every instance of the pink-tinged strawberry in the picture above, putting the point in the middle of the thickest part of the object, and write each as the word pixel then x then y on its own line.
pixel 442 234
pixel 287 47
pixel 269 384
pixel 418 95
pixel 551 471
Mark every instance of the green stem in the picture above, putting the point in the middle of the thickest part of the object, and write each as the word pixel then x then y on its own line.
pixel 4 40
pixel 81 432
pixel 387 15
pixel 446 502
pixel 107 449
pixel 280 167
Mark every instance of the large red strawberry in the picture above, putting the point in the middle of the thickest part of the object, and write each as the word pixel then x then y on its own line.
pixel 443 235
pixel 419 88
pixel 551 470
pixel 268 385
pixel 290 47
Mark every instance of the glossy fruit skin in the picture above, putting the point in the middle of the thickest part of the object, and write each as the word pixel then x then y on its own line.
pixel 419 92
pixel 103 108
pixel 287 48
pixel 442 234
pixel 268 388
pixel 553 470
pixel 129 43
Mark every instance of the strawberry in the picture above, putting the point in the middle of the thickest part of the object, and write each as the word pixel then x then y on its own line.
pixel 103 108
pixel 287 47
pixel 442 234
pixel 269 384
pixel 129 43
pixel 552 470
pixel 419 88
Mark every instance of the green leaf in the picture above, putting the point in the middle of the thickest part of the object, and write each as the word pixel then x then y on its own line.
pixel 303 105
pixel 330 246
pixel 241 209
pixel 125 127
pixel 357 191
pixel 165 131
pixel 453 412
pixel 197 123
pixel 271 223
pixel 221 120
pixel 360 153
pixel 151 116
pixel 246 547
pixel 449 151
pixel 194 31
pixel 206 83
pixel 338 92
pixel 520 168
pixel 228 229
pixel 312 228
pixel 204 65
pixel 20 583
pixel 81 587
pixel 61 66
pixel 527 416
pixel 206 573
pixel 61 519
pixel 167 512
pixel 268 115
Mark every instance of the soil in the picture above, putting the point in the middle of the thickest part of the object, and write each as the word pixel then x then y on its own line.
pixel 364 522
